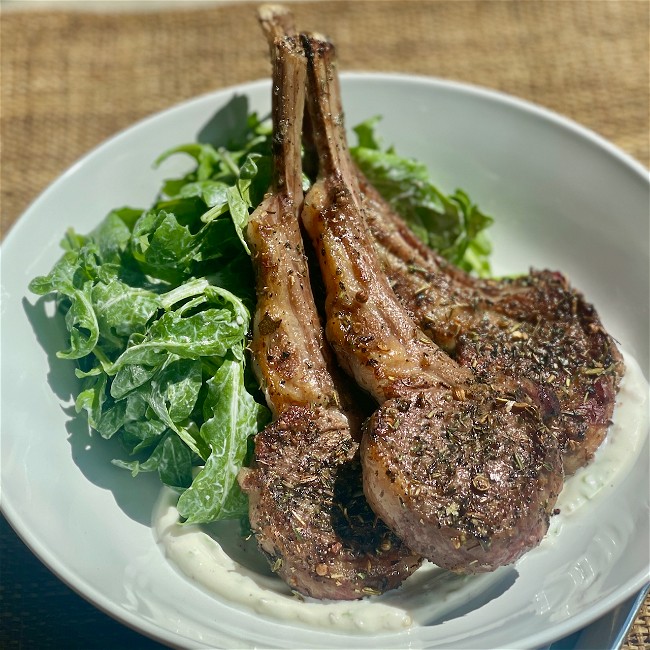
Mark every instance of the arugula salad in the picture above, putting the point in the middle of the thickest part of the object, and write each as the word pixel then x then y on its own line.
pixel 157 305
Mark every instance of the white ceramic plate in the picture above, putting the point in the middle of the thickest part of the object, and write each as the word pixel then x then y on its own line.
pixel 563 198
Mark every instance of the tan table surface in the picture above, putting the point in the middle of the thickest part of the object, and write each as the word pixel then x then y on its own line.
pixel 72 78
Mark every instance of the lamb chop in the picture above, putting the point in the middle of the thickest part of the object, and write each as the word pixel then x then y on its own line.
pixel 307 507
pixel 535 329
pixel 465 472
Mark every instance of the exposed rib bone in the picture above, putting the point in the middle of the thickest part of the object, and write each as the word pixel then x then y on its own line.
pixel 276 21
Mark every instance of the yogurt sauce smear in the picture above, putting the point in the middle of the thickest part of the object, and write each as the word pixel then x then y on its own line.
pixel 224 563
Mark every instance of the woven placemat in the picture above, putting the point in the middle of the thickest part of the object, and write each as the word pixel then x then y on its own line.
pixel 70 79
pixel 639 635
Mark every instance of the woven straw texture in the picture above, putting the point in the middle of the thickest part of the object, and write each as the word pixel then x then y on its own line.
pixel 70 79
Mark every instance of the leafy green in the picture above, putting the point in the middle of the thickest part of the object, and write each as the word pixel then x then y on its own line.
pixel 157 306
pixel 450 224
pixel 227 406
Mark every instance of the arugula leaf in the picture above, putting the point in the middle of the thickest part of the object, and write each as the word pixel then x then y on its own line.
pixel 450 224
pixel 231 416
pixel 121 308
pixel 171 459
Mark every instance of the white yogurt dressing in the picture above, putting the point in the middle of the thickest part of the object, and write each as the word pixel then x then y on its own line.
pixel 617 453
pixel 222 562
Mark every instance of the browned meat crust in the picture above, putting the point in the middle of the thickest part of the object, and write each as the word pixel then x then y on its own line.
pixel 310 515
pixel 535 329
pixel 463 480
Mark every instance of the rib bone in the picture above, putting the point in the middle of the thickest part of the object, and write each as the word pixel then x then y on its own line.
pixel 466 472
pixel 306 499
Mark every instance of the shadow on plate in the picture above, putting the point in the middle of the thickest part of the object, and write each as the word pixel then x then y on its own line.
pixel 91 453
pixel 50 334
pixel 478 593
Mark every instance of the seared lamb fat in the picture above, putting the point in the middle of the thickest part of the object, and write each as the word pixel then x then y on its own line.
pixel 306 499
pixel 466 472
pixel 535 329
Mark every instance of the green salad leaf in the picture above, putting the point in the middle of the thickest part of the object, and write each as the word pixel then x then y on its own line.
pixel 157 305
pixel 450 224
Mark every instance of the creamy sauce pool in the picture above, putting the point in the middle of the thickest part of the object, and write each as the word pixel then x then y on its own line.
pixel 222 562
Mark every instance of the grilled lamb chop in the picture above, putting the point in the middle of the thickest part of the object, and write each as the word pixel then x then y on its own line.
pixel 535 329
pixel 305 492
pixel 466 472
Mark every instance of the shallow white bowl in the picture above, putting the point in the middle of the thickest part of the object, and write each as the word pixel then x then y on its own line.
pixel 562 197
